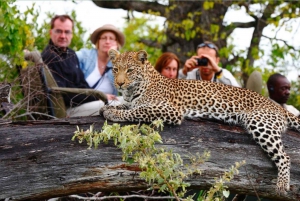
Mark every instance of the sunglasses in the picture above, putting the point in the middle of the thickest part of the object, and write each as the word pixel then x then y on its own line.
pixel 210 45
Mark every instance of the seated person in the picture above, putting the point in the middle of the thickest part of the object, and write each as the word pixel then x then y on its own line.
pixel 279 91
pixel 209 71
pixel 64 65
pixel 95 63
pixel 168 65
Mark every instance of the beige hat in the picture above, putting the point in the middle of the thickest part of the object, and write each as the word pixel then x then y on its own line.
pixel 108 27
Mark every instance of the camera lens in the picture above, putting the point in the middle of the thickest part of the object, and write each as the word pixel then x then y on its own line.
pixel 202 62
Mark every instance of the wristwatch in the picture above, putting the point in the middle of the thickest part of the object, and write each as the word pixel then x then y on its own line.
pixel 219 74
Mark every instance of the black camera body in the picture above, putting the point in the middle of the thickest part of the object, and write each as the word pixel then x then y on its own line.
pixel 202 62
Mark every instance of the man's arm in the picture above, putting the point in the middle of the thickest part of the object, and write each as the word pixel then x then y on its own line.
pixel 227 78
pixel 63 79
pixel 70 99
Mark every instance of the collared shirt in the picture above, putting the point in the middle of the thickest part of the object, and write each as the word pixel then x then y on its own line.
pixel 225 78
pixel 289 108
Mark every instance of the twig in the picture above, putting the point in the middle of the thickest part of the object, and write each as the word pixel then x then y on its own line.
pixel 251 183
pixel 19 105
pixel 165 180
pixel 278 39
pixel 7 122
pixel 124 197
pixel 30 114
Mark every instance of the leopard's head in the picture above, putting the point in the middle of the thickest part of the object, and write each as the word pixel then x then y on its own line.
pixel 129 68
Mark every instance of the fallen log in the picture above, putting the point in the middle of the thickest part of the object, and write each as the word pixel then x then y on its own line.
pixel 39 160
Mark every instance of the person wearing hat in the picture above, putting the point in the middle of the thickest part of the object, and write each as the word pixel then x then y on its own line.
pixel 95 63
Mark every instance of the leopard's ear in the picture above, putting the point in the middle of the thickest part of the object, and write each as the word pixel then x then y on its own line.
pixel 142 56
pixel 113 54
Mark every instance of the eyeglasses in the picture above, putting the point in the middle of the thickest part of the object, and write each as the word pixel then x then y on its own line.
pixel 210 45
pixel 108 38
pixel 59 31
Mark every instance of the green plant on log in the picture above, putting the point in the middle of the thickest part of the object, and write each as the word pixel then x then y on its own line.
pixel 163 169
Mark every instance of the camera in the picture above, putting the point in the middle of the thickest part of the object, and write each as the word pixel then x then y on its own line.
pixel 202 62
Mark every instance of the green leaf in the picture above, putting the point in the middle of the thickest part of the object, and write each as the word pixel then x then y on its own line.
pixel 208 5
pixel 226 193
pixel 130 160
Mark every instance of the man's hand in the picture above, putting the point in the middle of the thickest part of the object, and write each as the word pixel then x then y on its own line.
pixel 212 62
pixel 190 64
pixel 111 97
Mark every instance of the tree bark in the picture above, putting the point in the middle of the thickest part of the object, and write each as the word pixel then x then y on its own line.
pixel 39 160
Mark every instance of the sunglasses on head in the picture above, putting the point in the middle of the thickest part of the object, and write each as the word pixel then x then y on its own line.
pixel 210 45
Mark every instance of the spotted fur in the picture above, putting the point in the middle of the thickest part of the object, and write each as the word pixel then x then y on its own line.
pixel 149 96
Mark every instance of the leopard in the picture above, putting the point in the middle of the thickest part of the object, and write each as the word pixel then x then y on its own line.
pixel 149 96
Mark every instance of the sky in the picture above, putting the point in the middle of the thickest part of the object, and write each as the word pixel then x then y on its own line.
pixel 92 17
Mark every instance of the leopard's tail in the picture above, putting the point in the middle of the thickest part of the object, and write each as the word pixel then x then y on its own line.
pixel 293 121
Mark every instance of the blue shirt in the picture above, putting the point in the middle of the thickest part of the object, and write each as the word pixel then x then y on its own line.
pixel 87 63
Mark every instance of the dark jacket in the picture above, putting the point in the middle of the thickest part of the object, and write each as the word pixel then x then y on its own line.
pixel 64 66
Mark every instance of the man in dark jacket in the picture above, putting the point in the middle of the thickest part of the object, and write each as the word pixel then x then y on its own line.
pixel 279 91
pixel 64 64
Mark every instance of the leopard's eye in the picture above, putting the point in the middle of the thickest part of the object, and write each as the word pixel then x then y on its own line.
pixel 129 70
pixel 115 70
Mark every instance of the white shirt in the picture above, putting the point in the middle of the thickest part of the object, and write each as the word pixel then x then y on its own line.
pixel 226 78
pixel 289 108
pixel 103 84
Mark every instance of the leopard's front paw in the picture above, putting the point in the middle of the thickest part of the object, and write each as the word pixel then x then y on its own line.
pixel 113 115
pixel 102 109
pixel 109 115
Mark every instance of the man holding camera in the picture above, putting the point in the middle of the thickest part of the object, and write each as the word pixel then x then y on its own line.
pixel 204 66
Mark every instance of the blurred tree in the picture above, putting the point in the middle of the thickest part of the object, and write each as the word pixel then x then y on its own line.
pixel 189 23
pixel 137 31
pixel 15 35
pixel 41 31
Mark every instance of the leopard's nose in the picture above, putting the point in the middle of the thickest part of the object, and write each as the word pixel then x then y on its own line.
pixel 120 84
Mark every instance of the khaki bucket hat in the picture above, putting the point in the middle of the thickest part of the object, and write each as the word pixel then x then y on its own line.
pixel 108 27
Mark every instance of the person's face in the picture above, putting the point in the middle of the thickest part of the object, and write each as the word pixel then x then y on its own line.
pixel 207 70
pixel 107 40
pixel 281 91
pixel 61 34
pixel 170 71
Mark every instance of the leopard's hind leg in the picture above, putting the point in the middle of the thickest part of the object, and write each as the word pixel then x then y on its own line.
pixel 266 130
